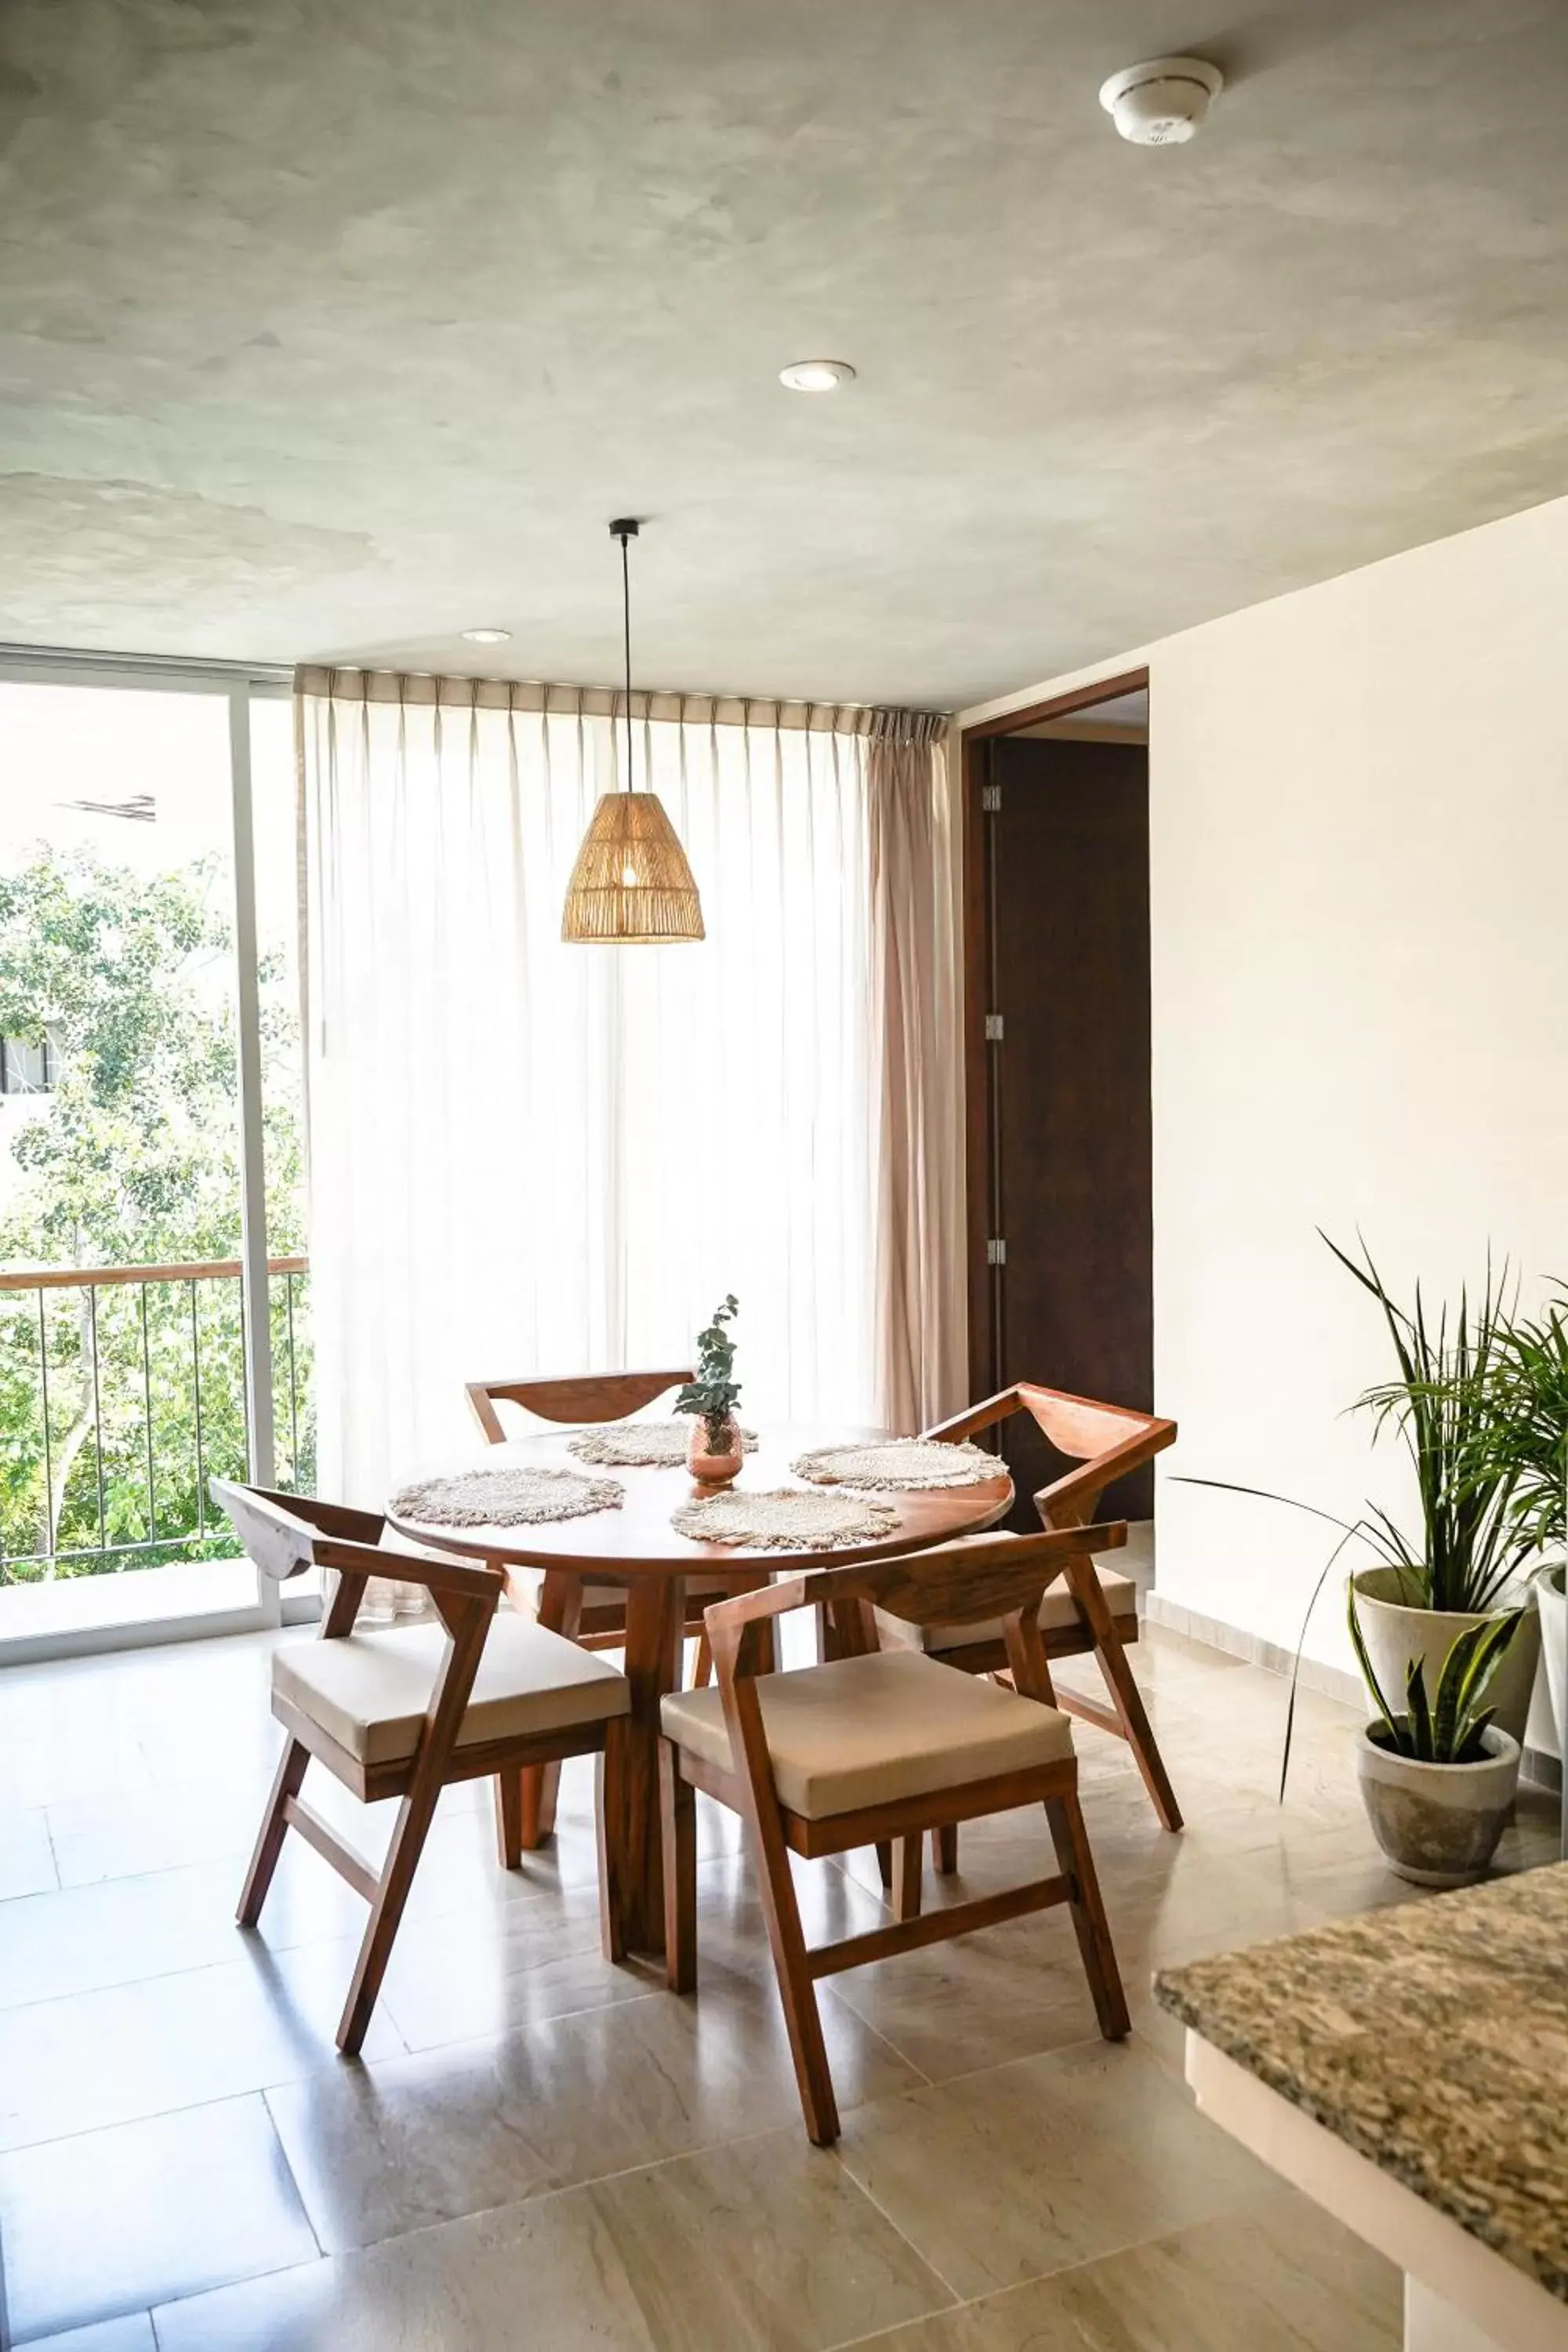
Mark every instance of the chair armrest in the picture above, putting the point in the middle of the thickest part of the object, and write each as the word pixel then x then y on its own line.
pixel 341 1519
pixel 984 1415
pixel 470 1579
pixel 740 1609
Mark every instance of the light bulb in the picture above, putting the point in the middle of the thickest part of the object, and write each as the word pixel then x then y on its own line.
pixel 629 877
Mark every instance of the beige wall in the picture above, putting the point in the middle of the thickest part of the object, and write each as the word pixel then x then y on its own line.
pixel 1359 907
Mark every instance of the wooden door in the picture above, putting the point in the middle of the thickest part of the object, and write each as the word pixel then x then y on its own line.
pixel 1064 841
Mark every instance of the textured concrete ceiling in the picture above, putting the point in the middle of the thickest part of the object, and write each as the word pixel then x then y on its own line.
pixel 326 330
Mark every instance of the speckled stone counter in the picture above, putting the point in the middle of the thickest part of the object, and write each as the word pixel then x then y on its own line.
pixel 1431 2037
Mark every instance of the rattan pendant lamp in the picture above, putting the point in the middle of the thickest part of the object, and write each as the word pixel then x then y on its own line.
pixel 631 886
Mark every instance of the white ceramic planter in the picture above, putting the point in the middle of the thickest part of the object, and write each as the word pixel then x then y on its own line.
pixel 1438 1824
pixel 1394 1633
pixel 1552 1604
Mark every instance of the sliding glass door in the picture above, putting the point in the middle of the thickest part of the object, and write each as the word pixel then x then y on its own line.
pixel 155 1325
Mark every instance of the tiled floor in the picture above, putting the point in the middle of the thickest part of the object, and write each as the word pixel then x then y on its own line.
pixel 542 2150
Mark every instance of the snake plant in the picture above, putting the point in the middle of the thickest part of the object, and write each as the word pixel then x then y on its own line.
pixel 1449 1726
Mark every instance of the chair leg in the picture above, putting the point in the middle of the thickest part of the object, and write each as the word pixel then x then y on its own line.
pixel 945 1841
pixel 885 1862
pixel 508 1793
pixel 797 1990
pixel 703 1672
pixel 287 1783
pixel 414 1820
pixel 911 1860
pixel 609 1803
pixel 677 1816
pixel 1091 1924
pixel 1126 1696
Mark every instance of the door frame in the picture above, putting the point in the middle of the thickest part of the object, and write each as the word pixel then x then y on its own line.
pixel 975 900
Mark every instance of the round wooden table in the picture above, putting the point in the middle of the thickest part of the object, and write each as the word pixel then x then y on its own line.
pixel 635 1547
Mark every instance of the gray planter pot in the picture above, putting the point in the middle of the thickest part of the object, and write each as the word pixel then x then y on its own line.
pixel 1394 1633
pixel 1552 1604
pixel 1438 1824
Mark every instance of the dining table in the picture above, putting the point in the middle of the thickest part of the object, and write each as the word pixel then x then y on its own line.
pixel 634 1546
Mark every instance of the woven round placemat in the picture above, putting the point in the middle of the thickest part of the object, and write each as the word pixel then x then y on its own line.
pixel 910 1463
pixel 507 1497
pixel 784 1519
pixel 645 1445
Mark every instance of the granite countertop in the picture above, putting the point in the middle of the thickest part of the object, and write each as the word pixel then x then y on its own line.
pixel 1431 2037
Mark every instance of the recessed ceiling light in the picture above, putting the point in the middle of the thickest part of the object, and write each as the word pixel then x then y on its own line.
pixel 817 375
pixel 488 637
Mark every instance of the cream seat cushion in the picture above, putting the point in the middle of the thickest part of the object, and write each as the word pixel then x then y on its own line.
pixel 1057 1609
pixel 370 1691
pixel 867 1731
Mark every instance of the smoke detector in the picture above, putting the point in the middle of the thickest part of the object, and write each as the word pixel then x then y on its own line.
pixel 1162 101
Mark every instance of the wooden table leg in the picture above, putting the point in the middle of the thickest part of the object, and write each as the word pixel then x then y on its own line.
pixel 655 1609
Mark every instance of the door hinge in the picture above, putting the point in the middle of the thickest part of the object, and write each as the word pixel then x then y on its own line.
pixel 993 1028
pixel 990 799
pixel 995 1253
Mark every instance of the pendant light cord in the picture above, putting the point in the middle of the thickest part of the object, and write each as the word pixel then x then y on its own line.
pixel 626 619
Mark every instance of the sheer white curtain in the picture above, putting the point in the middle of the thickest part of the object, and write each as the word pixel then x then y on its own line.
pixel 530 1157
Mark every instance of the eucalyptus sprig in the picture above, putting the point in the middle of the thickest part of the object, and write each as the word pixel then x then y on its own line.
pixel 714 1393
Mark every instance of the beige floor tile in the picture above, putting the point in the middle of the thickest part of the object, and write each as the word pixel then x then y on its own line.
pixel 389 2147
pixel 119 1930
pixel 1281 2277
pixel 129 1834
pixel 114 2222
pixel 27 1856
pixel 1055 2160
pixel 535 1960
pixel 768 2247
pixel 131 2334
pixel 980 2001
pixel 103 2058
pixel 790 2254
pixel 42 1765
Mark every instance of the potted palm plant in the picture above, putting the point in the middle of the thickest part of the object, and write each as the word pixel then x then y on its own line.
pixel 1438 1778
pixel 1417 1598
pixel 1530 1416
pixel 715 1451
pixel 1418 1593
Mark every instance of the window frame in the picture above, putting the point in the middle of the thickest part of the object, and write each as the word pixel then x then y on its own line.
pixel 240 685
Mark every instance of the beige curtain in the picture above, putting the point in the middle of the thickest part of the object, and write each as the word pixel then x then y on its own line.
pixel 919 1270
pixel 527 1156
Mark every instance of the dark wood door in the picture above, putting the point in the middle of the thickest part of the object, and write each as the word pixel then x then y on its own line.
pixel 1067 854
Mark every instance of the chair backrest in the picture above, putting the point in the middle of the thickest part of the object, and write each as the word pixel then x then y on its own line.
pixel 586 1396
pixel 1106 1442
pixel 953 1584
pixel 967 1583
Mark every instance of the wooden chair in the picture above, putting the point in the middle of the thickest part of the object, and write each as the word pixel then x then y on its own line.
pixel 1094 1610
pixel 588 1610
pixel 403 1712
pixel 877 1745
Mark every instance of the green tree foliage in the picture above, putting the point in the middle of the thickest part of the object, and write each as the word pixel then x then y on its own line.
pixel 133 1159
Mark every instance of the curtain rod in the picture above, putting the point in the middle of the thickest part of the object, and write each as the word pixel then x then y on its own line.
pixel 423 690
pixel 83 659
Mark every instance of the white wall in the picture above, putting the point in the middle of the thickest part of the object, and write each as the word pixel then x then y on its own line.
pixel 1359 907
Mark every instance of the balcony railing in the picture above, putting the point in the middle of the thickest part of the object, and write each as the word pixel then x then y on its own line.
pixel 121 1391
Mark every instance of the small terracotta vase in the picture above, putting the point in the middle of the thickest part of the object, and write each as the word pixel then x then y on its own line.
pixel 705 1461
